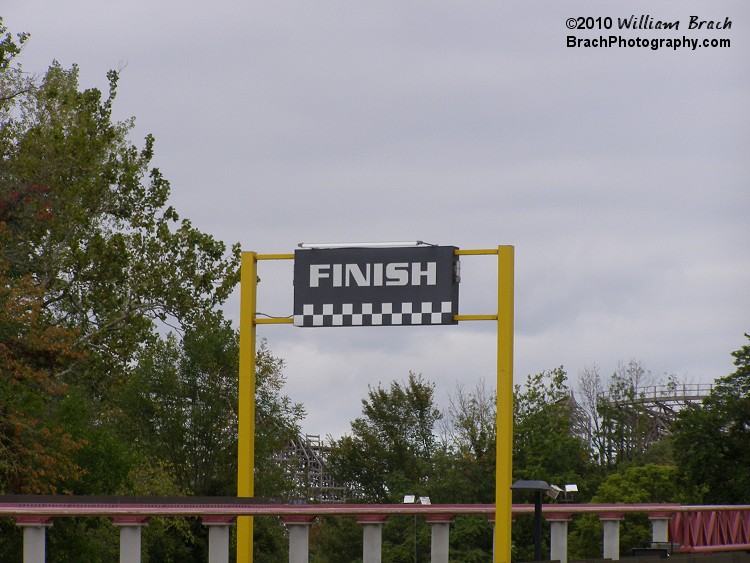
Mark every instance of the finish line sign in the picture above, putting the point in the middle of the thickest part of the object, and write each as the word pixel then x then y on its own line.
pixel 375 286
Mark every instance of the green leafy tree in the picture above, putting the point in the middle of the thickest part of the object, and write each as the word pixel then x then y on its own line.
pixel 545 446
pixel 35 451
pixel 465 468
pixel 465 461
pixel 180 412
pixel 469 429
pixel 277 421
pixel 95 265
pixel 180 407
pixel 632 485
pixel 13 82
pixel 88 219
pixel 712 441
pixel 336 538
pixel 85 220
pixel 389 453
pixel 391 448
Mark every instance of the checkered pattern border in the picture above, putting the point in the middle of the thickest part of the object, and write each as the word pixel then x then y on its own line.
pixel 377 314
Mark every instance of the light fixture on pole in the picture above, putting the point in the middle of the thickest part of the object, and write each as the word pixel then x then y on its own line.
pixel 569 490
pixel 395 244
pixel 414 499
pixel 554 491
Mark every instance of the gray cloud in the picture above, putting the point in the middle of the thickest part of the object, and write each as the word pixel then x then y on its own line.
pixel 620 175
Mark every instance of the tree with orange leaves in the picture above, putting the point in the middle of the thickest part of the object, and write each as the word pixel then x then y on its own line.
pixel 35 451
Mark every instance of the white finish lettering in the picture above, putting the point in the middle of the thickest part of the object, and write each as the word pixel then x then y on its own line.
pixel 337 275
pixel 354 273
pixel 397 273
pixel 429 273
pixel 374 275
pixel 377 274
pixel 318 272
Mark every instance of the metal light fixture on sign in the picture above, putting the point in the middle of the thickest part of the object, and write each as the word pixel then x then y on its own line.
pixel 361 244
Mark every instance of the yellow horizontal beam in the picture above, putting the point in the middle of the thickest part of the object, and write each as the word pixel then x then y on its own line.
pixel 470 252
pixel 274 257
pixel 273 321
pixel 475 317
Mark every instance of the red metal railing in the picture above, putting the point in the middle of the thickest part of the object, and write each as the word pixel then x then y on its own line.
pixel 694 528
pixel 706 528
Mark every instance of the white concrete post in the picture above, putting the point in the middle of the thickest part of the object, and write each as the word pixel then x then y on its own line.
pixel 372 537
pixel 218 537
pixel 130 537
pixel 218 543
pixel 491 518
pixel 660 528
pixel 34 544
pixel 611 522
pixel 299 534
pixel 439 535
pixel 34 537
pixel 558 548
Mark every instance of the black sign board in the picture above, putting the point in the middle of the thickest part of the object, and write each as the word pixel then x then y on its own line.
pixel 375 286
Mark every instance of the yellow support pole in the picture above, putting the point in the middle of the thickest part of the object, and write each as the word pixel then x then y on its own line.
pixel 504 429
pixel 246 408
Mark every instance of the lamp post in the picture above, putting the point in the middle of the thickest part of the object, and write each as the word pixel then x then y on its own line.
pixel 537 487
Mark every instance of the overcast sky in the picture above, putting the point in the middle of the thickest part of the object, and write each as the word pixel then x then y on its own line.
pixel 620 175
